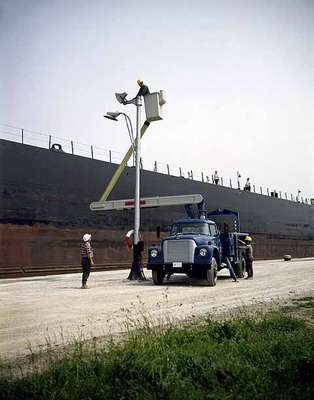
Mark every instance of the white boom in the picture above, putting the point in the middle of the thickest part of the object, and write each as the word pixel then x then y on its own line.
pixel 146 202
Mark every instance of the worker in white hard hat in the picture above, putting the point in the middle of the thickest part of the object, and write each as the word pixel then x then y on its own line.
pixel 87 258
pixel 249 257
pixel 143 91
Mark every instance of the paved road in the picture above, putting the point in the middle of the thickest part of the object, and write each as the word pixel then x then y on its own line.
pixel 54 308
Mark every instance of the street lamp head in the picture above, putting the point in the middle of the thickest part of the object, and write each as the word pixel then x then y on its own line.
pixel 113 115
pixel 121 97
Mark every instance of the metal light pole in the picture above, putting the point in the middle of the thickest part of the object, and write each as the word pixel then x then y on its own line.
pixel 136 269
pixel 137 171
pixel 153 113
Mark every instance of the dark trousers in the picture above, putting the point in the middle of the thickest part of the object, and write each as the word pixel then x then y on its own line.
pixel 85 269
pixel 249 268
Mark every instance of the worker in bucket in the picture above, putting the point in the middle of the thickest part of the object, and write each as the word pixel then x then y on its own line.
pixel 225 239
pixel 87 258
pixel 143 91
pixel 249 257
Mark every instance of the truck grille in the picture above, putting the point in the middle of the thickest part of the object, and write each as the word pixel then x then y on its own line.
pixel 179 251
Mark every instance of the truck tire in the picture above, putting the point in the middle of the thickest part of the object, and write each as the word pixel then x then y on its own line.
pixel 211 273
pixel 158 276
pixel 241 267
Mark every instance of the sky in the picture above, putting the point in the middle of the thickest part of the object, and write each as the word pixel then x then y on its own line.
pixel 238 77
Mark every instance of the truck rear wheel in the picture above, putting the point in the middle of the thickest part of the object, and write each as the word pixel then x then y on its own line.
pixel 241 267
pixel 211 273
pixel 158 276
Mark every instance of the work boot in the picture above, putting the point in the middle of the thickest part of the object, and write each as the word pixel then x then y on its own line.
pixel 84 286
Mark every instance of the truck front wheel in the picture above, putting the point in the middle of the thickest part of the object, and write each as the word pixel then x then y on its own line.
pixel 211 273
pixel 158 276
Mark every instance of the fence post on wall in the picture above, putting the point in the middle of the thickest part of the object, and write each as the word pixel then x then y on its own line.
pixel 212 178
pixel 267 191
pixel 49 144
pixel 92 152
pixel 202 177
pixel 254 188
pixel 180 172
pixel 222 181
pixel 279 194
pixel 261 189
pixel 168 169
pixel 230 183
pixel 72 147
pixel 286 196
pixel 22 136
pixel 109 155
pixel 191 174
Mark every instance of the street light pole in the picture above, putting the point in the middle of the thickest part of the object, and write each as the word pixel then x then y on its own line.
pixel 137 171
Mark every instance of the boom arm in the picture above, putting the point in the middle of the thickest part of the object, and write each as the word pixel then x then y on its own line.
pixel 121 168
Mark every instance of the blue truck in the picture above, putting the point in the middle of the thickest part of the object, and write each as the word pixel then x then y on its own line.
pixel 197 248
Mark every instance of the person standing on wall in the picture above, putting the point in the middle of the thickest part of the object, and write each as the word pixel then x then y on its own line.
pixel 87 258
pixel 216 178
pixel 249 257
pixel 247 186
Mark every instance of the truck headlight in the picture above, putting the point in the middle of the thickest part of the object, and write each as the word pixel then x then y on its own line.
pixel 154 253
pixel 203 252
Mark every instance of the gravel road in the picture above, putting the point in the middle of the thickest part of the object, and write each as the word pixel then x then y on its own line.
pixel 54 309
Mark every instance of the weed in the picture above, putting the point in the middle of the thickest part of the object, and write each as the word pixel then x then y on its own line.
pixel 271 356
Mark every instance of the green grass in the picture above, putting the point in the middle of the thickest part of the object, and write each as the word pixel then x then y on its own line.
pixel 271 357
pixel 305 302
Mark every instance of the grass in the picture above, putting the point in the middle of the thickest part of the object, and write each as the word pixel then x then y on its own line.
pixel 305 302
pixel 268 357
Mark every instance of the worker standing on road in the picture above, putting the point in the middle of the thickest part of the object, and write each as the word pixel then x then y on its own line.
pixel 87 257
pixel 249 257
pixel 225 239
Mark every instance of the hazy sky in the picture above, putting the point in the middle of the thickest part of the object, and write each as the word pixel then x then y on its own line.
pixel 238 75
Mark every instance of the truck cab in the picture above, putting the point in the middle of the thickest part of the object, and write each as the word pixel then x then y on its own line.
pixel 193 247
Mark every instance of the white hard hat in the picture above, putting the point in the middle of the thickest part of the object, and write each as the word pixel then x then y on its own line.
pixel 87 237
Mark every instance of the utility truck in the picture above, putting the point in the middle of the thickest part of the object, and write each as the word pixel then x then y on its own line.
pixel 196 247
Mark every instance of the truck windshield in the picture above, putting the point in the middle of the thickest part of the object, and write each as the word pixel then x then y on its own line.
pixel 193 229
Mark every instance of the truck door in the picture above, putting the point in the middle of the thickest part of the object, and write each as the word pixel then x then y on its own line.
pixel 214 233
